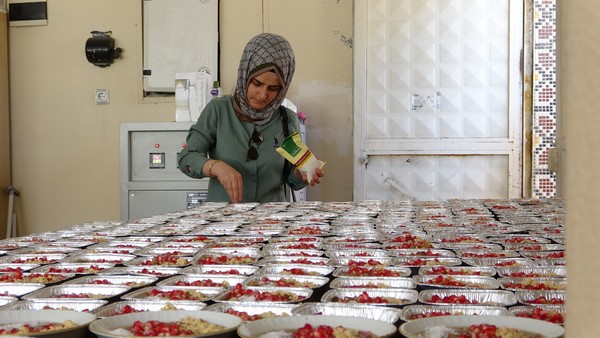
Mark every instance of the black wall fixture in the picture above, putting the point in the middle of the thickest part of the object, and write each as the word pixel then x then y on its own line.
pixel 100 49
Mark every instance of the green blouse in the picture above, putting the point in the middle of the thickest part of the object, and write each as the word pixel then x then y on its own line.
pixel 219 134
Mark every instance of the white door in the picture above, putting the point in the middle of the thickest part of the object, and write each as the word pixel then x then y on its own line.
pixel 438 99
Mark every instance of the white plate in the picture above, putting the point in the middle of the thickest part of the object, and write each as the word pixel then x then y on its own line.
pixel 259 327
pixel 82 319
pixel 416 328
pixel 104 327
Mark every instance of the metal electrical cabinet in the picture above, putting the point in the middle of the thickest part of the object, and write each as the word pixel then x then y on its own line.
pixel 151 182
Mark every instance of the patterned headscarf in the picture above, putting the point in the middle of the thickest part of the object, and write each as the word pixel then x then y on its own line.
pixel 265 52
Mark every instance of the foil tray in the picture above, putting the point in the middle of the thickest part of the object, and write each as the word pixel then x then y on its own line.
pixel 19 289
pixel 481 297
pixel 149 262
pixel 533 271
pixel 139 305
pixel 395 271
pixel 158 271
pixel 82 291
pixel 421 253
pixel 98 258
pixel 218 281
pixel 77 268
pixel 411 312
pixel 471 282
pixel 366 260
pixel 458 270
pixel 373 282
pixel 254 310
pixel 296 261
pixel 240 270
pixel 80 305
pixel 201 294
pixel 508 283
pixel 132 281
pixel 528 297
pixel 394 297
pixel 416 261
pixel 307 281
pixel 296 294
pixel 499 262
pixel 296 269
pixel 386 314
pixel 353 253
pixel 293 252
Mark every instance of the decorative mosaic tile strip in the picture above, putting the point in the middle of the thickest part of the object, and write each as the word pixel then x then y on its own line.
pixel 544 96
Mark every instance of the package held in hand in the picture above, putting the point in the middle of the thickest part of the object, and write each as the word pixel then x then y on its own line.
pixel 293 150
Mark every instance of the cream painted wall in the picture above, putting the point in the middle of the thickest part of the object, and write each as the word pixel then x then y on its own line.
pixel 66 148
pixel 4 124
pixel 579 89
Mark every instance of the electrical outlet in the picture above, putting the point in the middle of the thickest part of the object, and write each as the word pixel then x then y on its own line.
pixel 102 96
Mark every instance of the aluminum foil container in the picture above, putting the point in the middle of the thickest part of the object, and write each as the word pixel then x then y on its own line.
pixel 9 267
pixel 291 295
pixel 233 245
pixel 201 294
pixel 292 245
pixel 534 247
pixel 554 254
pixel 295 269
pixel 386 314
pixel 154 251
pixel 469 297
pixel 499 262
pixel 533 271
pixel 77 268
pixel 80 305
pixel 411 312
pixel 487 254
pixel 421 253
pixel 32 259
pixel 519 239
pixel 19 289
pixel 250 311
pixel 544 283
pixel 296 261
pixel 464 282
pixel 160 261
pixel 345 246
pixel 83 291
pixel 471 246
pixel 554 314
pixel 353 253
pixel 133 281
pixel 458 270
pixel 232 256
pixel 460 238
pixel 393 297
pixel 218 281
pixel 362 260
pixel 417 261
pixel 370 271
pixel 130 306
pixel 293 253
pixel 43 250
pixel 158 271
pixel 541 297
pixel 297 238
pixel 551 262
pixel 373 282
pixel 281 280
pixel 33 277
pixel 246 239
pixel 239 270
pixel 351 239
pixel 6 300
pixel 98 258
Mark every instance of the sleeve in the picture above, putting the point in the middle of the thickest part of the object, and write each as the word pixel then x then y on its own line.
pixel 200 141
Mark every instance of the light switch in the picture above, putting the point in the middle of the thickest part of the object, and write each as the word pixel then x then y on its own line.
pixel 102 96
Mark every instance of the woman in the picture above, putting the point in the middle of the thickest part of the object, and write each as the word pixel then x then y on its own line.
pixel 235 137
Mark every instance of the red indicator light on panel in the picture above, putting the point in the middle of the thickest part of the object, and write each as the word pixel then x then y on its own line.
pixel 157 145
pixel 183 145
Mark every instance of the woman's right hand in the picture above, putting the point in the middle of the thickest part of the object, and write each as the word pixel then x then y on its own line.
pixel 230 179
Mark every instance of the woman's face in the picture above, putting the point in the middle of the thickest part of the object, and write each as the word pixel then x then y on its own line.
pixel 263 89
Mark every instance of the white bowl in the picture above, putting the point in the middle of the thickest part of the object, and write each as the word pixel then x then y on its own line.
pixel 416 328
pixel 105 327
pixel 262 326
pixel 82 319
